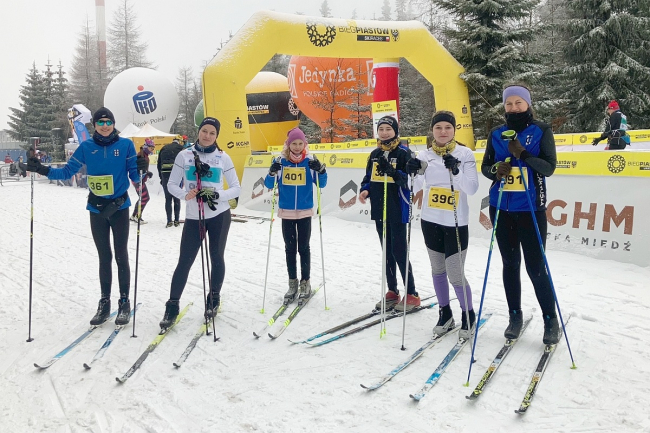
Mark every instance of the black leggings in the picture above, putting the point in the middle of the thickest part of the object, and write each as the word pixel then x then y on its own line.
pixel 296 234
pixel 217 228
pixel 168 202
pixel 396 255
pixel 516 232
pixel 101 229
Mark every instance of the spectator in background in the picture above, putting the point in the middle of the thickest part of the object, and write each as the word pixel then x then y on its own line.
pixel 8 159
pixel 615 129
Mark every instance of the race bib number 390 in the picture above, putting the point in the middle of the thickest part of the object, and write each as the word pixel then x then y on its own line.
pixel 441 198
pixel 101 185
pixel 514 182
pixel 294 176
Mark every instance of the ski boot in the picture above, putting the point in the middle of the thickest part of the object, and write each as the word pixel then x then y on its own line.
pixel 514 327
pixel 212 305
pixel 291 294
pixel 412 301
pixel 392 298
pixel 172 309
pixel 445 321
pixel 169 224
pixel 552 332
pixel 466 331
pixel 123 312
pixel 304 291
pixel 103 312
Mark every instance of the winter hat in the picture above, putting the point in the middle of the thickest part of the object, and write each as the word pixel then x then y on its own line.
pixel 443 116
pixel 520 91
pixel 613 106
pixel 295 134
pixel 103 113
pixel 390 121
pixel 148 142
pixel 211 121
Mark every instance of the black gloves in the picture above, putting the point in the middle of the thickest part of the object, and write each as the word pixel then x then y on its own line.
pixel 149 174
pixel 33 164
pixel 515 148
pixel 451 163
pixel 596 141
pixel 275 167
pixel 503 169
pixel 209 197
pixel 142 163
pixel 316 165
pixel 413 166
pixel 385 167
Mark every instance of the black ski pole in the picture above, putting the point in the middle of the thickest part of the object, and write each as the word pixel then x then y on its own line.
pixel 137 253
pixel 31 247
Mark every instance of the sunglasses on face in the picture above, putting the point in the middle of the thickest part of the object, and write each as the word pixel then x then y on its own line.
pixel 104 122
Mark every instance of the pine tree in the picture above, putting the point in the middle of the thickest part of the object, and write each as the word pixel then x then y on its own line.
pixel 125 48
pixel 385 11
pixel 489 41
pixel 415 100
pixel 189 92
pixel 325 10
pixel 607 54
pixel 360 119
pixel 25 122
pixel 87 83
pixel 400 9
pixel 354 14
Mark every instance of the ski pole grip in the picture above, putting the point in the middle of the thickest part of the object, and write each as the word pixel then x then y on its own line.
pixel 509 135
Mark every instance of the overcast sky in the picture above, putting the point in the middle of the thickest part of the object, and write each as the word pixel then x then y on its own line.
pixel 179 32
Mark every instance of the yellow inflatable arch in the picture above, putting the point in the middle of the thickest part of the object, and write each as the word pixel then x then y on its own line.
pixel 268 33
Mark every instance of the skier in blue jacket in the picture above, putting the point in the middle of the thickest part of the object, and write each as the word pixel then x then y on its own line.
pixel 534 147
pixel 296 172
pixel 110 161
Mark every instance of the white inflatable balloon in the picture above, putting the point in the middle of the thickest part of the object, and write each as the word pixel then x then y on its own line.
pixel 140 96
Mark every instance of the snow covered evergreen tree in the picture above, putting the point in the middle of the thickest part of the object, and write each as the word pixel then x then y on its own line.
pixel 607 56
pixel 360 119
pixel 31 119
pixel 325 10
pixel 488 39
pixel 189 95
pixel 87 83
pixel 385 11
pixel 125 49
pixel 416 102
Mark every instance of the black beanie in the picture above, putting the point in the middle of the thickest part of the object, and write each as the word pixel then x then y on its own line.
pixel 211 121
pixel 103 113
pixel 443 116
pixel 390 121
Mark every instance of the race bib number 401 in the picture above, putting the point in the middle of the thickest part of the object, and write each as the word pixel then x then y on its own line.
pixel 101 185
pixel 442 198
pixel 514 182
pixel 294 176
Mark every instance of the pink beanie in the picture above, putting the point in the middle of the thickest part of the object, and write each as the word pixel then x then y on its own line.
pixel 295 134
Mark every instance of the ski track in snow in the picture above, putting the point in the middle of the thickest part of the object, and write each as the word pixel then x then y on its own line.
pixel 241 384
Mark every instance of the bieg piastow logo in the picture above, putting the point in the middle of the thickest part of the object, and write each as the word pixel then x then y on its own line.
pixel 395 34
pixel 316 37
pixel 616 164
pixel 332 159
pixel 144 101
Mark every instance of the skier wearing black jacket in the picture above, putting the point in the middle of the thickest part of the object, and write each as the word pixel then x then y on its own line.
pixel 615 129
pixel 165 164
pixel 390 158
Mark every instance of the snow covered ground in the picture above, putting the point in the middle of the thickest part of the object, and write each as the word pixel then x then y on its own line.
pixel 240 384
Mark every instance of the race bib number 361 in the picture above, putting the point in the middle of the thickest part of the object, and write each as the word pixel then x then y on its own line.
pixel 294 176
pixel 514 182
pixel 101 185
pixel 441 198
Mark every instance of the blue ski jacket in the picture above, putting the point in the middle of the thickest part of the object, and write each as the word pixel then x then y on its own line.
pixel 295 184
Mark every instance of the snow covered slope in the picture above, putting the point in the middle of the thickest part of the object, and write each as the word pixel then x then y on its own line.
pixel 241 384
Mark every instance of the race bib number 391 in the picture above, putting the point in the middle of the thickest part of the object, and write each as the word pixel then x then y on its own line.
pixel 101 185
pixel 376 177
pixel 514 182
pixel 441 198
pixel 294 176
